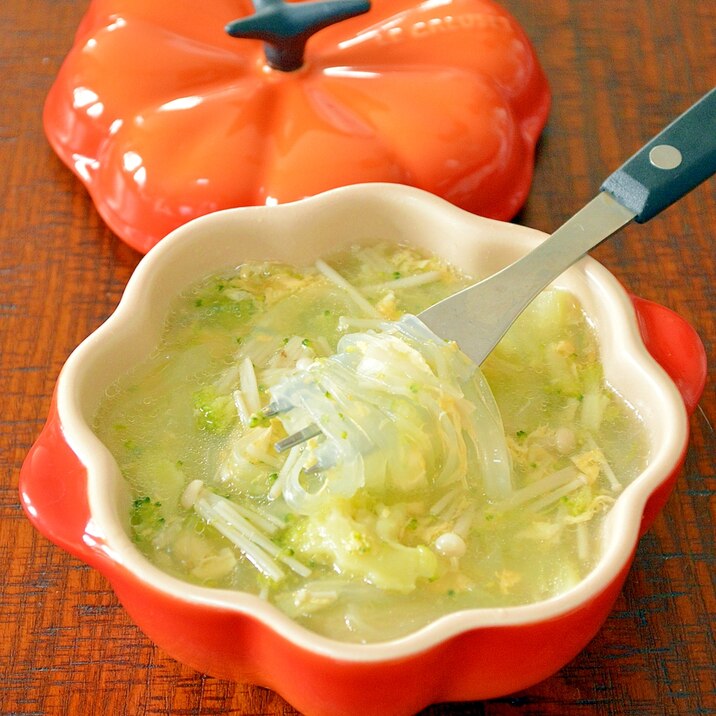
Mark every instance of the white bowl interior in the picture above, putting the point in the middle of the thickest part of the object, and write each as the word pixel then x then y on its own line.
pixel 298 233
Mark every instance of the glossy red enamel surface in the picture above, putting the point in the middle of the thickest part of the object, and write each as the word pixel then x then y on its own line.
pixel 678 349
pixel 493 661
pixel 53 491
pixel 165 117
pixel 675 346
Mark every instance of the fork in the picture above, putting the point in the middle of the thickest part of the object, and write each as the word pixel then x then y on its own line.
pixel 669 166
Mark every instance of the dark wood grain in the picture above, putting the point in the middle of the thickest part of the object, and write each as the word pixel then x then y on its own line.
pixel 619 69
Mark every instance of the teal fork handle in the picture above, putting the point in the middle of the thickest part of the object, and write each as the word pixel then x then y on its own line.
pixel 675 161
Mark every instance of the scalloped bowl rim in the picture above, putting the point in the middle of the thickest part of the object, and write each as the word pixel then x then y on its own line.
pixel 107 492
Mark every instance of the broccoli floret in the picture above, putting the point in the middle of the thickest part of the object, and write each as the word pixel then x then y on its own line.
pixel 146 518
pixel 218 304
pixel 578 501
pixel 213 412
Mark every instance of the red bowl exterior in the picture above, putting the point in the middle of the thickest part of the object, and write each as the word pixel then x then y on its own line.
pixel 676 347
pixel 493 661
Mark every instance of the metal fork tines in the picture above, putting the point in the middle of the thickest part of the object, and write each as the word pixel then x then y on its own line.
pixel 312 430
pixel 272 409
pixel 300 436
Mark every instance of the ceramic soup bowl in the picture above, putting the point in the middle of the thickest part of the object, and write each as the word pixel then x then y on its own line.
pixel 73 492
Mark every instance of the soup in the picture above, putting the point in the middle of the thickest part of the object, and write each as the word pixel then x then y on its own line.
pixel 423 485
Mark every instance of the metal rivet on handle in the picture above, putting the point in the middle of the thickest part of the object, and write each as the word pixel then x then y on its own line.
pixel 664 156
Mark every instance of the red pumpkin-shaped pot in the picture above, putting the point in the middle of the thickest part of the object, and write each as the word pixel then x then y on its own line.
pixel 165 117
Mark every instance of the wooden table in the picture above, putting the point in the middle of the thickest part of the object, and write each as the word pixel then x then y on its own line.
pixel 619 69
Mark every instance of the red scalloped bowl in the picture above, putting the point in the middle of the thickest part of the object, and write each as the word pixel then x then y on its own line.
pixel 74 494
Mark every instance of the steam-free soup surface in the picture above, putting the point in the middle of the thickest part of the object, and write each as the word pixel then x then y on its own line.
pixel 430 486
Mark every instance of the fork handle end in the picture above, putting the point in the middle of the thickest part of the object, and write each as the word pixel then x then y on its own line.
pixel 673 163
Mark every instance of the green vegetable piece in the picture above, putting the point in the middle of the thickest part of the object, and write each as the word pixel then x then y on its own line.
pixel 146 518
pixel 213 412
pixel 217 304
pixel 259 419
pixel 578 501
pixel 355 548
